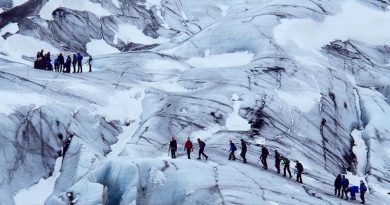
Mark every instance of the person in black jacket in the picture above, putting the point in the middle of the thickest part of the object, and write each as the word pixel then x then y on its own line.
pixel 74 62
pixel 277 161
pixel 299 167
pixel 243 150
pixel 68 62
pixel 90 63
pixel 337 185
pixel 202 145
pixel 173 147
pixel 61 62
pixel 263 156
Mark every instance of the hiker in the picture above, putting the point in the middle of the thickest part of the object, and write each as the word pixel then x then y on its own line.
pixel 363 189
pixel 79 63
pixel 61 61
pixel 232 149
pixel 56 66
pixel 353 190
pixel 90 63
pixel 243 150
pixel 337 185
pixel 286 163
pixel 41 54
pixel 277 161
pixel 188 147
pixel 74 62
pixel 344 186
pixel 299 167
pixel 47 62
pixel 68 62
pixel 173 147
pixel 202 145
pixel 263 156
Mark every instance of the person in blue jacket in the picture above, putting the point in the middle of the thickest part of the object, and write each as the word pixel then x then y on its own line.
pixel 344 187
pixel 363 189
pixel 232 149
pixel 79 63
pixel 56 65
pixel 353 190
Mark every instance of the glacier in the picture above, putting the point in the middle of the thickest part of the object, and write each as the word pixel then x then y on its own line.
pixel 309 78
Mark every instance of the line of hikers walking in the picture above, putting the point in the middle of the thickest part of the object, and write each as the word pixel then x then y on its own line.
pixel 341 183
pixel 188 147
pixel 43 61
pixel 342 187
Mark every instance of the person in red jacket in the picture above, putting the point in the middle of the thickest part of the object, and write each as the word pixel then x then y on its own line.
pixel 188 148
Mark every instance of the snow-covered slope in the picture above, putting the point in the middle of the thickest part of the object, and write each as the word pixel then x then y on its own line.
pixel 275 72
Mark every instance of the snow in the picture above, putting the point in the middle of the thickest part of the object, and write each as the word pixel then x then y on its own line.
pixel 123 105
pixel 116 3
pixel 349 23
pixel 234 121
pixel 18 2
pixel 304 100
pixel 221 60
pixel 130 33
pixel 150 4
pixel 157 177
pixel 161 65
pixel 15 99
pixel 360 150
pixel 224 9
pixel 10 28
pixel 100 47
pixel 86 5
pixel 38 193
pixel 18 45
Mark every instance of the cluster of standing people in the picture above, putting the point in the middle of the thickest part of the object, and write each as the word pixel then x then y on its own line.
pixel 342 187
pixel 43 61
pixel 188 147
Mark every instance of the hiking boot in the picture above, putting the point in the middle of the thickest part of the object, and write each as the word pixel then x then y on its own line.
pixel 207 157
pixel 198 158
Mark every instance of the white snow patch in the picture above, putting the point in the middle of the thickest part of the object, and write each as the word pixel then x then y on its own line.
pixel 206 133
pixel 123 105
pixel 371 27
pixel 12 100
pixel 130 33
pixel 18 2
pixel 224 9
pixel 234 121
pixel 38 193
pixel 100 47
pixel 221 60
pixel 360 150
pixel 85 5
pixel 303 100
pixel 18 45
pixel 10 27
pixel 156 177
pixel 149 4
pixel 116 3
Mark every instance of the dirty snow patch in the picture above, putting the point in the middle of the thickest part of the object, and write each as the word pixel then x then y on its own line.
pixel 234 121
pixel 100 47
pixel 221 60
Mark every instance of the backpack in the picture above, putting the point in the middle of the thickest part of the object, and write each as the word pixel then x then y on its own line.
pixel 363 187
pixel 202 144
pixel 234 148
